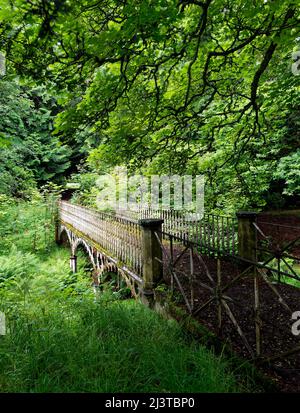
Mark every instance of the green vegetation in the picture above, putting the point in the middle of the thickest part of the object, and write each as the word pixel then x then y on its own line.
pixel 189 87
pixel 30 155
pixel 60 338
pixel 290 266
pixel 157 87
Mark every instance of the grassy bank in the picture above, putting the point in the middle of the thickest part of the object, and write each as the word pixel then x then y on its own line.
pixel 61 339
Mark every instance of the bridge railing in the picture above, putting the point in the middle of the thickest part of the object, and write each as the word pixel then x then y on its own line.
pixel 213 234
pixel 119 237
pixel 137 246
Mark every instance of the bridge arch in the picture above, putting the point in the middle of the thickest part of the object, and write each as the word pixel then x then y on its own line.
pixel 88 249
pixel 64 235
pixel 100 262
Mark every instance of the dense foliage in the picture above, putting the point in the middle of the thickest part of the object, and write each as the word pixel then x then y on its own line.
pixel 158 87
pixel 171 86
pixel 30 155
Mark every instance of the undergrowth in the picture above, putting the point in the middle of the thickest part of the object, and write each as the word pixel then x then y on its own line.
pixel 60 337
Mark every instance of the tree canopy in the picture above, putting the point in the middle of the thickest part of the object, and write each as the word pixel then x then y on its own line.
pixel 30 154
pixel 173 86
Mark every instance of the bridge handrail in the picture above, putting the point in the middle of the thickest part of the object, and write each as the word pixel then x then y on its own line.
pixel 215 234
pixel 120 237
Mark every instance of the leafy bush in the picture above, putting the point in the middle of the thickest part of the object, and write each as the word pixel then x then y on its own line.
pixel 288 169
pixel 17 265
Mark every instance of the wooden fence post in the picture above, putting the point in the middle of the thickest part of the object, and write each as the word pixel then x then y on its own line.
pixel 151 256
pixel 247 235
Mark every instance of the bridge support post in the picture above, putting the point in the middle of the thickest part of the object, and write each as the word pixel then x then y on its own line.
pixel 73 263
pixel 152 257
pixel 57 233
pixel 247 236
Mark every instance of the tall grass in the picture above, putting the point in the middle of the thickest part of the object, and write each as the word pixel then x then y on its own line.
pixel 110 346
pixel 61 339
